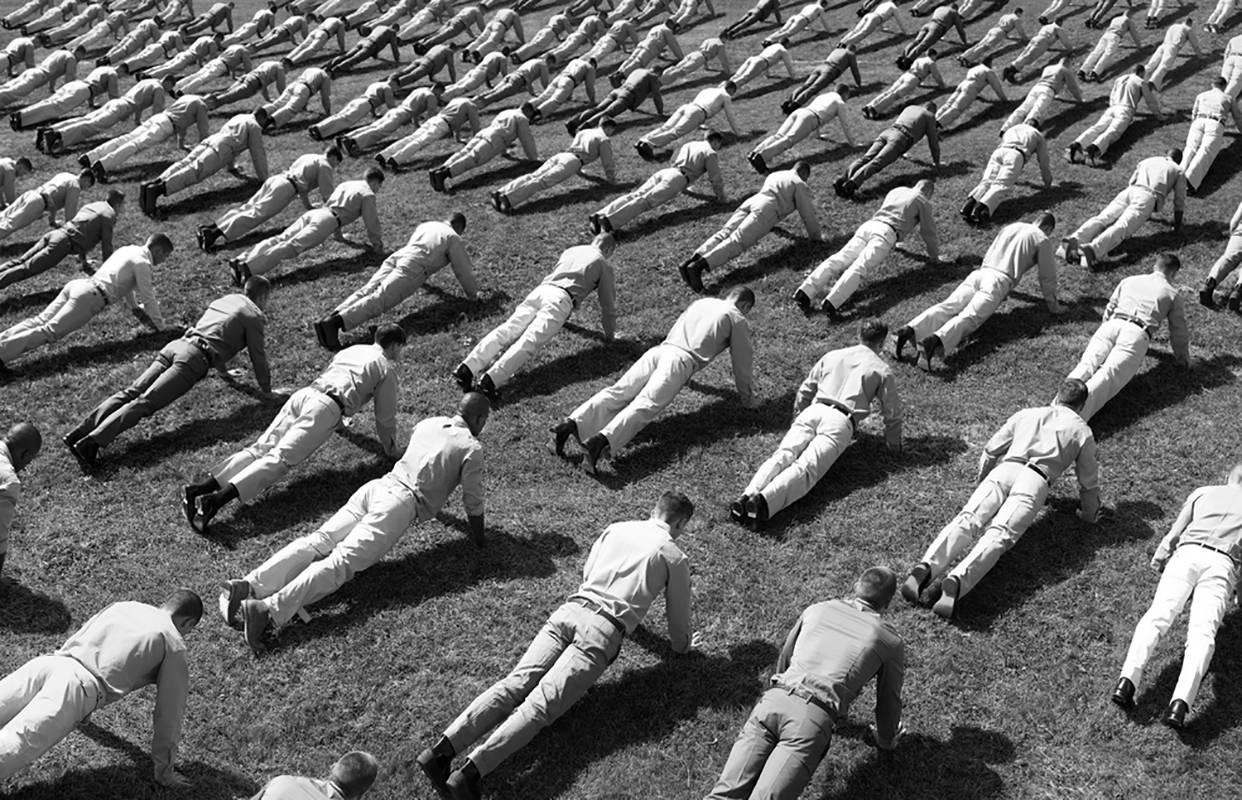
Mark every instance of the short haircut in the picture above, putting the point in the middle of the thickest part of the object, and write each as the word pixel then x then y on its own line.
pixel 1176 154
pixel 161 241
pixel 1036 124
pixel 803 168
pixel 375 174
pixel 742 295
pixel 1139 69
pixel 844 90
pixel 257 286
pixel 389 334
pixel 872 331
pixel 458 220
pixel 115 197
pixel 24 163
pixel 1046 220
pixel 354 773
pixel 716 139
pixel 86 175
pixel 1219 82
pixel 876 586
pixel 1168 262
pixel 1073 393
pixel 608 125
pixel 333 152
pixel 185 603
pixel 674 506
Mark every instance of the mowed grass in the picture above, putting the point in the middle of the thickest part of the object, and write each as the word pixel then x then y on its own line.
pixel 1010 701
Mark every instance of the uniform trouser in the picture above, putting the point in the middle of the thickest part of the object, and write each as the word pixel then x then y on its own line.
pixel 273 196
pixel 76 304
pixel 40 704
pixel 402 151
pixel 175 370
pixel 847 267
pixel 310 45
pixel 1108 128
pixel 869 24
pixel 289 103
pixel 814 442
pixel 749 223
pixel 964 310
pixel 247 86
pixel 819 79
pixel 353 539
pixel 629 405
pixel 777 751
pixel 507 348
pixel 203 162
pixel 1102 55
pixel 1033 50
pixel 304 423
pixel 1034 106
pixel 91 39
pixel 1159 64
pixel 999 177
pixel 397 279
pixel 1156 9
pixel 927 36
pixel 661 187
pixel 394 119
pixel 556 169
pixel 797 126
pixel 24 14
pixel 21 212
pixel 311 229
pixel 1229 260
pixel 684 120
pixel 116 152
pixel 54 107
pixel 22 85
pixel 1124 215
pixel 1210 577
pixel 555 95
pixel 692 63
pixel 360 53
pixel 52 248
pixel 958 102
pixel 898 89
pixel 199 80
pixel 1222 12
pixel 887 148
pixel 481 149
pixel 1003 506
pixel 1053 11
pixel 1204 141
pixel 355 111
pixel 1111 360
pixel 76 131
pixel 1232 72
pixel 563 661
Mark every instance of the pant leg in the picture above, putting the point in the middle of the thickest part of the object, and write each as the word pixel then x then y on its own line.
pixel 657 190
pixel 796 127
pixel 23 211
pixel 397 279
pixel 682 122
pixel 776 752
pixel 1111 213
pixel 354 112
pixel 1026 497
pixel 1176 584
pixel 984 502
pixel 743 231
pixel 556 169
pixel 303 426
pixel 929 321
pixel 815 284
pixel 52 248
pixel 1212 597
pixel 75 306
pixel 182 365
pixel 118 151
pixel 1206 150
pixel 672 372
pixel 309 230
pixel 388 509
pixel 1119 121
pixel 1008 166
pixel 879 240
pixel 596 412
pixel 892 148
pixel 1229 260
pixel 817 438
pixel 42 702
pixel 403 150
pixel 273 196
pixel 595 643
pixel 1023 111
pixel 1119 366
pixel 1137 210
pixel 1095 129
pixel 992 291
pixel 553 309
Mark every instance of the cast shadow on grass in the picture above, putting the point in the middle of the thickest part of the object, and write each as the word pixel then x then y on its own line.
pixel 498 176
pixel 875 298
pixel 994 110
pixel 867 463
pixel 769 85
pixel 640 705
pixel 587 365
pixel 1224 168
pixel 1073 115
pixel 925 94
pixel 1055 548
pixel 834 153
pixel 707 207
pixel 16 248
pixel 22 302
pixel 108 352
pixel 450 566
pixel 141 452
pixel 139 173
pixel 593 192
pixel 1026 321
pixel 1135 136
pixel 799 257
pixel 225 195
pixel 1223 713
pixel 925 170
pixel 923 766
pixel 1137 248
pixel 1160 387
pixel 24 610
pixel 359 261
pixel 310 498
pixel 449 308
pixel 882 44
pixel 1031 200
pixel 133 779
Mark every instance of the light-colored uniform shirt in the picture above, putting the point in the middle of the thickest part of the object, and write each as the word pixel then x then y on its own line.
pixel 1018 247
pixel 127 277
pixel 629 565
pixel 1218 105
pixel 1050 33
pixel 441 454
pixel 790 193
pixel 590 144
pixel 712 101
pixel 581 270
pixel 62 191
pixel 855 376
pixel 1130 90
pixel 1149 300
pixel 146 93
pixel 1049 438
pixel 290 787
pixel 1008 23
pixel 434 245
pixel 1028 140
pixel 8 180
pixel 981 75
pixel 229 325
pixel 1120 25
pixel 354 199
pixel 696 158
pixel 834 649
pixel 1212 517
pixel 128 646
pixel 709 326
pixel 187 110
pixel 379 95
pixel 311 171
pixel 917 122
pixel 1178 34
pixel 10 493
pixel 827 106
pixel 361 373
pixel 904 208
pixel 1057 77
pixel 1161 175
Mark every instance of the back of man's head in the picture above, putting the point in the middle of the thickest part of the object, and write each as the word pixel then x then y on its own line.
pixel 876 586
pixel 1140 70
pixel 474 408
pixel 802 169
pixel 24 165
pixel 333 154
pixel 375 175
pixel 258 289
pixel 116 198
pixel 185 605
pixel 1168 263
pixel 1072 394
pixel 930 106
pixel 160 243
pixel 1219 82
pixel 458 222
pixel 24 442
pixel 872 332
pixel 926 187
pixel 606 243
pixel 1046 222
pixel 716 139
pixel 354 773
pixel 388 334
pixel 1175 155
pixel 741 296
pixel 674 507
pixel 844 91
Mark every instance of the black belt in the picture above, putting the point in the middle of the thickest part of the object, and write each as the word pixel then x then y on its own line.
pixel 337 217
pixel 591 605
pixel 102 294
pixel 1015 147
pixel 1031 465
pixel 839 406
pixel 685 174
pixel 331 395
pixel 1131 320
pixel 47 201
pixel 294 183
pixel 202 345
pixel 1209 116
pixel 568 293
pixel 1224 553
pixel 803 693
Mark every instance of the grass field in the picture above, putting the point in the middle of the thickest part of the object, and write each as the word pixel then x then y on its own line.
pixel 1008 701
